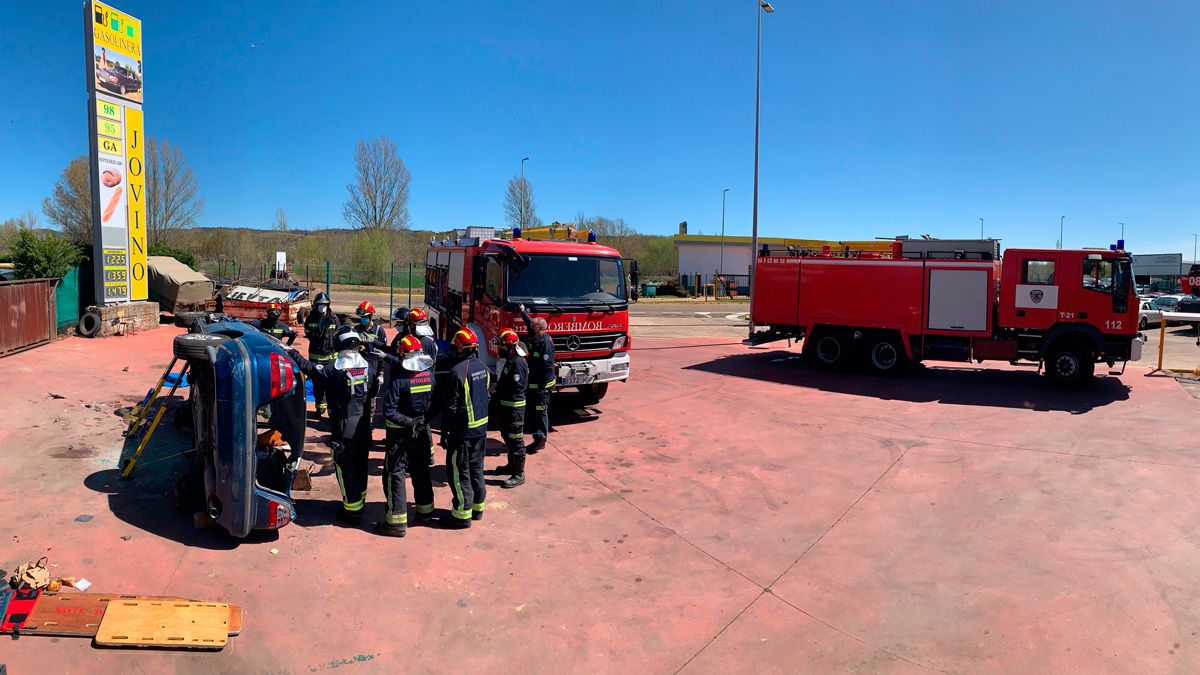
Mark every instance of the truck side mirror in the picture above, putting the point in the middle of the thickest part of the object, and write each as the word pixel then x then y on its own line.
pixel 634 278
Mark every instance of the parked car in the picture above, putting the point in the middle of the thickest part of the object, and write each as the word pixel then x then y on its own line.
pixel 118 79
pixel 248 424
pixel 1148 315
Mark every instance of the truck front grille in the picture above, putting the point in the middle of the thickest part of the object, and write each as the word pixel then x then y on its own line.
pixel 584 342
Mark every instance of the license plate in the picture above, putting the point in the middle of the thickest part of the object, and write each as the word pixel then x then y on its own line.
pixel 576 380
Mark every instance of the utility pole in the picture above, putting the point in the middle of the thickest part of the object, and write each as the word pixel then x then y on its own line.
pixel 763 6
pixel 721 265
pixel 524 193
pixel 981 228
pixel 1061 219
pixel 1122 229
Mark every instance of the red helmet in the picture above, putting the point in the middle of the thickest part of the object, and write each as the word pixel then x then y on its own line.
pixel 507 336
pixel 365 309
pixel 409 344
pixel 465 339
pixel 274 310
pixel 417 315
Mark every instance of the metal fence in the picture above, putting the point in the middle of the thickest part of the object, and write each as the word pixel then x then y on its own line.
pixel 396 275
pixel 29 314
pixel 716 285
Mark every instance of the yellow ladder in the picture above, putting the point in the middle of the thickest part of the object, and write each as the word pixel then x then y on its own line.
pixel 142 413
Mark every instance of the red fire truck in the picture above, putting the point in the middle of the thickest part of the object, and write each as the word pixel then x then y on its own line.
pixel 950 300
pixel 479 280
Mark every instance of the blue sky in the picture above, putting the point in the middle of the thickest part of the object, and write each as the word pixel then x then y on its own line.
pixel 879 118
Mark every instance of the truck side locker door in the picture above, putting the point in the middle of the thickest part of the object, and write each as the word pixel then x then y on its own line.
pixel 1035 296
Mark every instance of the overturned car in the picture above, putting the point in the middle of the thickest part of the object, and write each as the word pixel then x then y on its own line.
pixel 248 423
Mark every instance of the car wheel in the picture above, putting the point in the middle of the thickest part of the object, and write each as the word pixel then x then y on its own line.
pixel 1069 365
pixel 592 393
pixel 828 349
pixel 1143 323
pixel 122 88
pixel 194 346
pixel 886 356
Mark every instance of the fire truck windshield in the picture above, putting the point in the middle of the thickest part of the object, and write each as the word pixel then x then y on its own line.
pixel 568 280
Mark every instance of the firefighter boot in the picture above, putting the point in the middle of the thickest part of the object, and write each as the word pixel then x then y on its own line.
pixel 518 473
pixel 387 530
pixel 539 442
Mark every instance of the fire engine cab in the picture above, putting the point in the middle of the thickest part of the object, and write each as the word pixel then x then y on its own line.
pixel 479 280
pixel 951 300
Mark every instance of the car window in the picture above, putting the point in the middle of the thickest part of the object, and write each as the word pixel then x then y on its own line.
pixel 1037 272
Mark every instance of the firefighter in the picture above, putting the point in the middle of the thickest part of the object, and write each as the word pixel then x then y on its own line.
pixel 319 328
pixel 464 430
pixel 271 326
pixel 347 382
pixel 510 389
pixel 541 380
pixel 416 323
pixel 398 316
pixel 405 404
pixel 373 339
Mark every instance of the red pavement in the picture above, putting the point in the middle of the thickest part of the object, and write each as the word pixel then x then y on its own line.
pixel 729 510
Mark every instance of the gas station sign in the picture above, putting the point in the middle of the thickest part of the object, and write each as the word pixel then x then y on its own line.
pixel 118 172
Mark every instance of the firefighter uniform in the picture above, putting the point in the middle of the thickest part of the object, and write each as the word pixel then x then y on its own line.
pixel 464 423
pixel 542 380
pixel 347 381
pixel 319 330
pixel 510 391
pixel 372 335
pixel 405 403
pixel 275 329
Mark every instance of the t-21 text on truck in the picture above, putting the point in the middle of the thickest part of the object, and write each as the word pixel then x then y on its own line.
pixel 479 280
pixel 950 301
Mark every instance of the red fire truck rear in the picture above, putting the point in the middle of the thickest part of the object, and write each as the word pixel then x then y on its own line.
pixel 950 300
pixel 479 280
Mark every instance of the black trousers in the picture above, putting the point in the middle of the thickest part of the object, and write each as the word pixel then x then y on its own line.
pixel 407 454
pixel 318 386
pixel 537 421
pixel 513 427
pixel 350 464
pixel 464 471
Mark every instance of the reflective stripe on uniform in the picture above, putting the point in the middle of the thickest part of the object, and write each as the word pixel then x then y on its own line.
pixel 352 506
pixel 397 519
pixel 514 436
pixel 461 515
pixel 551 383
pixel 421 388
pixel 455 483
pixel 425 508
pixel 472 423
pixel 513 404
pixel 392 425
pixel 320 358
pixel 478 507
pixel 539 407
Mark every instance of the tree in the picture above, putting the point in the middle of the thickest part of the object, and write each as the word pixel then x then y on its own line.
pixel 519 209
pixel 171 202
pixel 379 193
pixel 280 224
pixel 46 256
pixel 70 205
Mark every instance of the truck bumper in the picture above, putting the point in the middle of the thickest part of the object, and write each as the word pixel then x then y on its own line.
pixel 593 371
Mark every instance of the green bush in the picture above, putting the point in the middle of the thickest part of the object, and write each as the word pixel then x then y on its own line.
pixel 185 257
pixel 37 257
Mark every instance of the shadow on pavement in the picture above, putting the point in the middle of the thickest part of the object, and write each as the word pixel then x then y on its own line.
pixel 965 385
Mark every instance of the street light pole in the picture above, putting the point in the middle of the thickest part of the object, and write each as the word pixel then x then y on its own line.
pixel 1060 230
pixel 981 228
pixel 763 6
pixel 1194 238
pixel 721 265
pixel 1122 229
pixel 524 192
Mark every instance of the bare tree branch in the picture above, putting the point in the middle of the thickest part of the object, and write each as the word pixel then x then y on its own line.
pixel 70 205
pixel 281 223
pixel 519 209
pixel 379 194
pixel 171 202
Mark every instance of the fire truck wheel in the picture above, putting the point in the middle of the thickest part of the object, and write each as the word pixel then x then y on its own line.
pixel 886 355
pixel 194 346
pixel 1069 364
pixel 592 393
pixel 829 349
